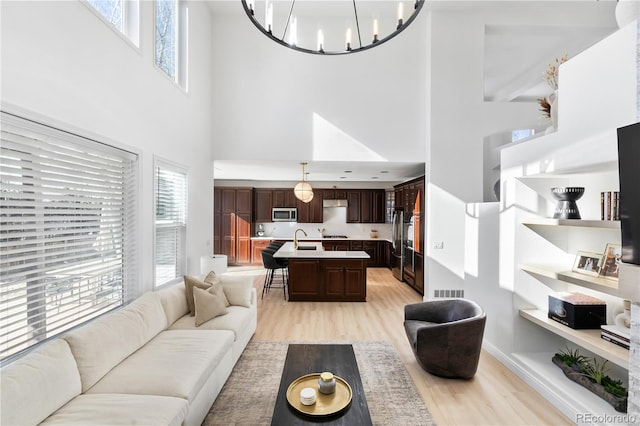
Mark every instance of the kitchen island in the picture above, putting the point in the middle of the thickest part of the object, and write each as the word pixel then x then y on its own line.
pixel 325 275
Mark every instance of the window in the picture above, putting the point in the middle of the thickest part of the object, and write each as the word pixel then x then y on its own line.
pixel 171 38
pixel 171 222
pixel 66 231
pixel 122 14
pixel 112 11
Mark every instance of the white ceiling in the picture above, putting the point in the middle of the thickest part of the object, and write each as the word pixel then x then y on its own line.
pixel 515 57
pixel 319 171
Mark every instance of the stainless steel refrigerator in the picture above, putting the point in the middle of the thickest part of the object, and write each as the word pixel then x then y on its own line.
pixel 397 240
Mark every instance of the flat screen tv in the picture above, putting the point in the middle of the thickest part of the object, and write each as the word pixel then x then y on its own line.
pixel 629 169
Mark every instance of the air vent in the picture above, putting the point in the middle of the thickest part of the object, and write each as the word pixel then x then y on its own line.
pixel 448 294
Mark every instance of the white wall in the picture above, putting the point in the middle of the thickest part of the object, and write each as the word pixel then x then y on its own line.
pixel 274 103
pixel 460 119
pixel 62 64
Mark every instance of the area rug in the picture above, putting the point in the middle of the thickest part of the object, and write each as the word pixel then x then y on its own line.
pixel 249 395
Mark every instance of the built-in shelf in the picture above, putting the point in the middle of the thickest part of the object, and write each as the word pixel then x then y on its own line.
pixel 581 400
pixel 588 339
pixel 602 224
pixel 560 272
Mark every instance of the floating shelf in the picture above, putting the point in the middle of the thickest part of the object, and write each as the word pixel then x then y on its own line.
pixel 560 272
pixel 601 224
pixel 588 339
pixel 579 399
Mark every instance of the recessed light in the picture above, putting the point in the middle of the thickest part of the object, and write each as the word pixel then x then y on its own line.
pixel 348 171
pixel 384 171
pixel 374 177
pixel 343 177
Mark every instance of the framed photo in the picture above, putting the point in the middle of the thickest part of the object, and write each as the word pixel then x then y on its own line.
pixel 611 261
pixel 588 263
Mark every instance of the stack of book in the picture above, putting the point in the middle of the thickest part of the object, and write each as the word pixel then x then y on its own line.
pixel 610 205
pixel 616 335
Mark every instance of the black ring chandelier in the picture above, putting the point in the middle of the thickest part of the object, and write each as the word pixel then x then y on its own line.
pixel 373 15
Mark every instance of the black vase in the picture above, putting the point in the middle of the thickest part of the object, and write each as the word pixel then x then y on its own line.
pixel 567 197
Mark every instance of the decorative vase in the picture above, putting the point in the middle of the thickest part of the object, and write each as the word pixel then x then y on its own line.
pixel 553 109
pixel 627 11
pixel 567 197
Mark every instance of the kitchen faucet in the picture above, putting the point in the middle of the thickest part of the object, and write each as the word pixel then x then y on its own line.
pixel 295 238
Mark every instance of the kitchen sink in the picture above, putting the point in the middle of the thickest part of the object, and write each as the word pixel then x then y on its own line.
pixel 307 247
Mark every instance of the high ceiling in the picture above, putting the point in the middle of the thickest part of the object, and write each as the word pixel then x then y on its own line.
pixel 515 56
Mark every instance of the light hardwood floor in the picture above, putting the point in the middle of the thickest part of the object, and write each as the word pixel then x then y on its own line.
pixel 495 396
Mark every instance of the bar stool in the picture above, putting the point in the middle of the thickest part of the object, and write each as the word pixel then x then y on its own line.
pixel 272 266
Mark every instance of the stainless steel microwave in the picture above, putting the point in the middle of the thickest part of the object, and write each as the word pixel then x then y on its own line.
pixel 284 214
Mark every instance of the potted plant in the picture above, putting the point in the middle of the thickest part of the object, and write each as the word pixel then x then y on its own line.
pixel 593 376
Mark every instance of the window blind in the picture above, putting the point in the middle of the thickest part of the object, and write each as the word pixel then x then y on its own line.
pixel 66 231
pixel 171 222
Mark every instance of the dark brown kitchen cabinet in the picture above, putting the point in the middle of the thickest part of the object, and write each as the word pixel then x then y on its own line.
pixel 310 212
pixel 344 279
pixel 353 209
pixel 342 245
pixel 262 205
pixel 371 248
pixel 334 194
pixel 284 198
pixel 366 206
pixel 233 211
pixel 305 274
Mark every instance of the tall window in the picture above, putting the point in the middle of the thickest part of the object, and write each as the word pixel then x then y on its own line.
pixel 122 14
pixel 171 222
pixel 67 252
pixel 171 20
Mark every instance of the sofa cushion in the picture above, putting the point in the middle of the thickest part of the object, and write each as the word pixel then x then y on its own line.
pixel 174 302
pixel 114 409
pixel 175 363
pixel 189 284
pixel 211 278
pixel 238 289
pixel 37 384
pixel 238 319
pixel 208 303
pixel 106 341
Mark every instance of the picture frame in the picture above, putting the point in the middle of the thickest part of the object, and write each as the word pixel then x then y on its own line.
pixel 588 263
pixel 611 261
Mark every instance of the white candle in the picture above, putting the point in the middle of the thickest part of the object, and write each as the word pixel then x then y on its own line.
pixel 268 19
pixel 348 37
pixel 400 11
pixel 375 27
pixel 320 40
pixel 293 31
pixel 250 4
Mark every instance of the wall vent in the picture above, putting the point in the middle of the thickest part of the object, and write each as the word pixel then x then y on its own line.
pixel 448 293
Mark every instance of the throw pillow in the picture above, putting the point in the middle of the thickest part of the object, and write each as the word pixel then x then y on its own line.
pixel 189 284
pixel 218 290
pixel 208 305
pixel 212 278
pixel 238 293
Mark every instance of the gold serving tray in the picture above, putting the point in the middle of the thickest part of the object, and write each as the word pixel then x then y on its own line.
pixel 325 404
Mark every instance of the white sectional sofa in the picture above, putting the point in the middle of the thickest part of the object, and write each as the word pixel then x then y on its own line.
pixel 146 363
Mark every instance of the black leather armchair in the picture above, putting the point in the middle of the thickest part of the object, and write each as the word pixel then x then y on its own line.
pixel 446 336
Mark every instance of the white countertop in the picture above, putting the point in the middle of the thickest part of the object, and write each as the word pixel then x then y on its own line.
pixel 287 251
pixel 356 238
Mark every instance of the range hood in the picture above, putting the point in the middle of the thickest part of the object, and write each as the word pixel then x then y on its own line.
pixel 334 203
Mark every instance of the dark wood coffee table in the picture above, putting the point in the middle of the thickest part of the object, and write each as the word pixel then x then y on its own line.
pixel 307 359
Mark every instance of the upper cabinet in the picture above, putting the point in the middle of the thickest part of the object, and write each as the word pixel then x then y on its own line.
pixel 366 206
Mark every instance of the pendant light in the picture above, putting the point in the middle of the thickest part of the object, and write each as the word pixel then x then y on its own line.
pixel 356 26
pixel 303 190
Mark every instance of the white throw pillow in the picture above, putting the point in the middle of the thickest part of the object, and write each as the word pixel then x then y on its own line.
pixel 238 292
